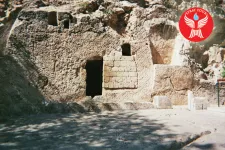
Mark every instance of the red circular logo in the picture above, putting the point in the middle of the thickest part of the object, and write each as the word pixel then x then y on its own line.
pixel 196 24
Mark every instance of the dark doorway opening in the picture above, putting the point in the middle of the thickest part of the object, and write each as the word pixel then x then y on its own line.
pixel 66 24
pixel 52 18
pixel 94 77
pixel 126 49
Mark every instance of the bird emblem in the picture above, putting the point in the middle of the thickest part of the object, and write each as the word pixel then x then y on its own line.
pixel 196 30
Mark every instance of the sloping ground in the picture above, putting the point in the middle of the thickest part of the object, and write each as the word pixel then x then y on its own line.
pixel 135 130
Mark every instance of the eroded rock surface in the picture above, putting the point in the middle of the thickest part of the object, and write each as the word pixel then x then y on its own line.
pixel 52 41
pixel 172 81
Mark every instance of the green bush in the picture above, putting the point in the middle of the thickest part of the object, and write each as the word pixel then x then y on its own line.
pixel 108 11
pixel 84 5
pixel 223 71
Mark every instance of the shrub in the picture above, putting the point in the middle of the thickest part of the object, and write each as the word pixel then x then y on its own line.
pixel 84 5
pixel 108 11
pixel 223 70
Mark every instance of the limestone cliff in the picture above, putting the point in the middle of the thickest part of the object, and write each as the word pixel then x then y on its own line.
pixel 137 42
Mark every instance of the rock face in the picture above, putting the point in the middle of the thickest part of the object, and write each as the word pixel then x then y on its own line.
pixel 172 81
pixel 122 50
pixel 162 102
pixel 162 40
pixel 59 44
pixel 3 7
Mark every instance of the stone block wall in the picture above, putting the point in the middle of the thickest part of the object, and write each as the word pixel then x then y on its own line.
pixel 120 72
pixel 173 82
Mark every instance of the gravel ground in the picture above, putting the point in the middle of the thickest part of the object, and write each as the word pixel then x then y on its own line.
pixel 118 130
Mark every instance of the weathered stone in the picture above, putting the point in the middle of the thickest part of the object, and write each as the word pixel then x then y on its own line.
pixel 169 79
pixel 2 13
pixel 206 88
pixel 199 103
pixel 117 58
pixel 108 58
pixel 94 31
pixel 165 32
pixel 190 99
pixel 137 105
pixel 118 10
pixel 125 58
pixel 132 74
pixel 182 79
pixel 111 106
pixel 162 102
pixel 123 73
pixel 107 68
pixel 2 6
pixel 196 103
pixel 127 6
pixel 108 63
pixel 117 63
pixel 116 69
pixel 199 106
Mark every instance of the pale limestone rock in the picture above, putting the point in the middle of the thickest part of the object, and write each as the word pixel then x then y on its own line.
pixel 214 55
pixel 164 31
pixel 180 52
pixel 196 103
pixel 119 72
pixel 162 102
pixel 199 103
pixel 118 11
pixel 127 6
pixel 61 53
pixel 206 88
pixel 111 106
pixel 190 99
pixel 200 106
pixel 217 70
pixel 172 81
pixel 137 105
pixel 215 59
pixel 181 79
